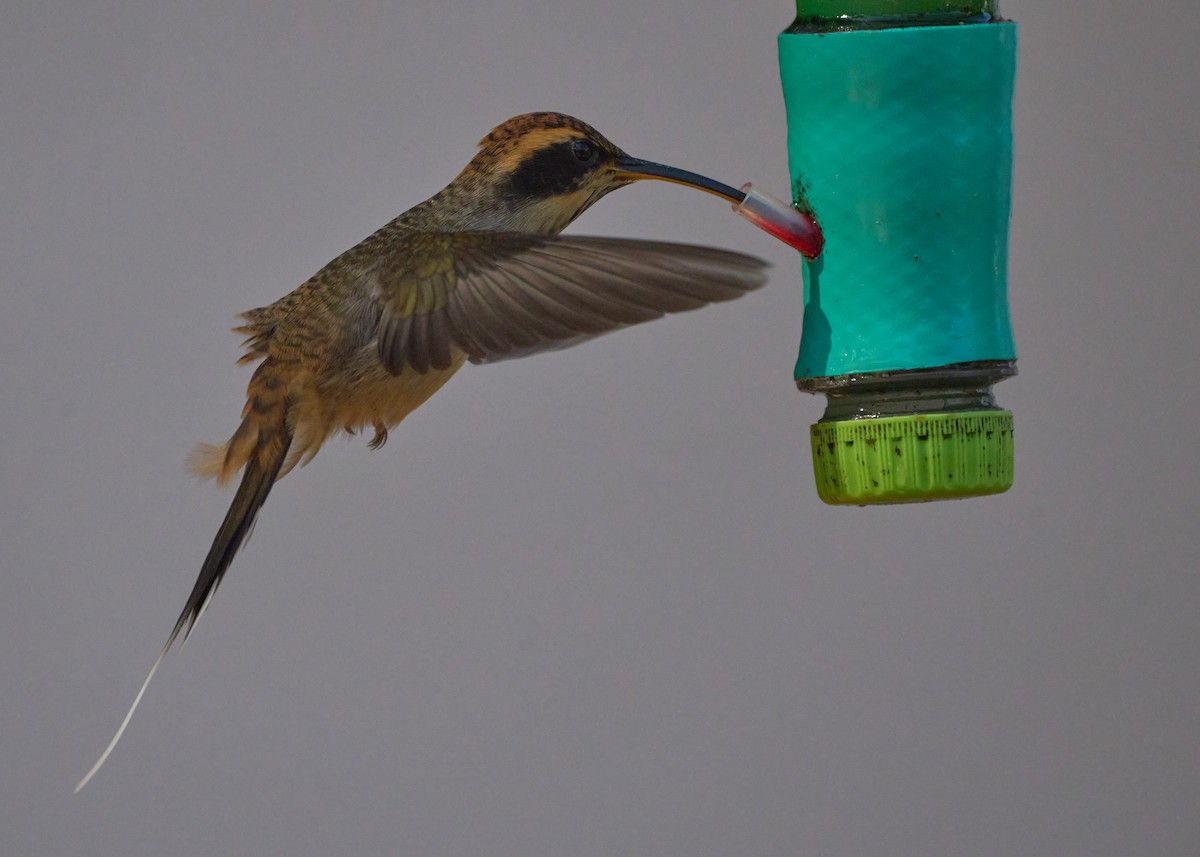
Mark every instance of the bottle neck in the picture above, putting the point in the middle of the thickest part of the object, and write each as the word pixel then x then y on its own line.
pixel 941 389
pixel 824 16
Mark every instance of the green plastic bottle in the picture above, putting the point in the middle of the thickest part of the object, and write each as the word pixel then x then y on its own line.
pixel 900 141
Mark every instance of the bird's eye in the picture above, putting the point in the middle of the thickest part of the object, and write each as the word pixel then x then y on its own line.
pixel 584 152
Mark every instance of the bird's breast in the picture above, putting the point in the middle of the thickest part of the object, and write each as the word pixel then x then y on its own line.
pixel 365 394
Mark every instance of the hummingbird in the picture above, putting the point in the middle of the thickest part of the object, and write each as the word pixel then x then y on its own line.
pixel 478 273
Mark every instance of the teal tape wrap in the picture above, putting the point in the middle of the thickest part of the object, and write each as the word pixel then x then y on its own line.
pixel 901 141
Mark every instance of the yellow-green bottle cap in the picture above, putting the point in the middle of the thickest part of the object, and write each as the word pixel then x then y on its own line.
pixel 913 458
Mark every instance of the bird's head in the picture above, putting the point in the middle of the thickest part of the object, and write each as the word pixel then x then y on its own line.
pixel 539 171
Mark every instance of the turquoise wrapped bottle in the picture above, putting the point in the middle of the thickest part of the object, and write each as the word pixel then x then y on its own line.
pixel 900 140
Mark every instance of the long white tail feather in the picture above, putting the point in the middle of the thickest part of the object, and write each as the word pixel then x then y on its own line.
pixel 129 716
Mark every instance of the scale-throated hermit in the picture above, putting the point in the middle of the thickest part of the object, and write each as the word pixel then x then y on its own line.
pixel 476 273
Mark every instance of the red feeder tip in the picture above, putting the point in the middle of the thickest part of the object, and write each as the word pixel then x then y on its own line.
pixel 794 228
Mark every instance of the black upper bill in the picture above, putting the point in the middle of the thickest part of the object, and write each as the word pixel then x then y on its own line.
pixel 636 168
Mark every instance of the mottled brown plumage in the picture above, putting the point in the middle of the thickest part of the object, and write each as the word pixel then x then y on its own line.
pixel 477 272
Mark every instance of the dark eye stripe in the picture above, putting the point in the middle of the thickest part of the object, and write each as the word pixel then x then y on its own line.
pixel 553 170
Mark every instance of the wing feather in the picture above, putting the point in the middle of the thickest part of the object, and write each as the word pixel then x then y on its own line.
pixel 500 295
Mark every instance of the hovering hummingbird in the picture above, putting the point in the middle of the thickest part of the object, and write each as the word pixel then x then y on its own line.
pixel 476 273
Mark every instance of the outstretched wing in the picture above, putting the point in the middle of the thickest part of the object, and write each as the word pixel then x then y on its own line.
pixel 500 295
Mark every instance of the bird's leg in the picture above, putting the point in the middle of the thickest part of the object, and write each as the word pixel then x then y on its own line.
pixel 381 436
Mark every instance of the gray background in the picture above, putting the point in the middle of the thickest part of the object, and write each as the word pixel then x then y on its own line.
pixel 587 603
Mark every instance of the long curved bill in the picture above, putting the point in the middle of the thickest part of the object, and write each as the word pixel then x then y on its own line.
pixel 796 228
pixel 633 169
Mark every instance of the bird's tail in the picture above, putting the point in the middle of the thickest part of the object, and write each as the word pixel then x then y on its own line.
pixel 260 445
pixel 261 471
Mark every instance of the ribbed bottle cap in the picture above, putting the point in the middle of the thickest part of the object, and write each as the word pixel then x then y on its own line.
pixel 913 458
